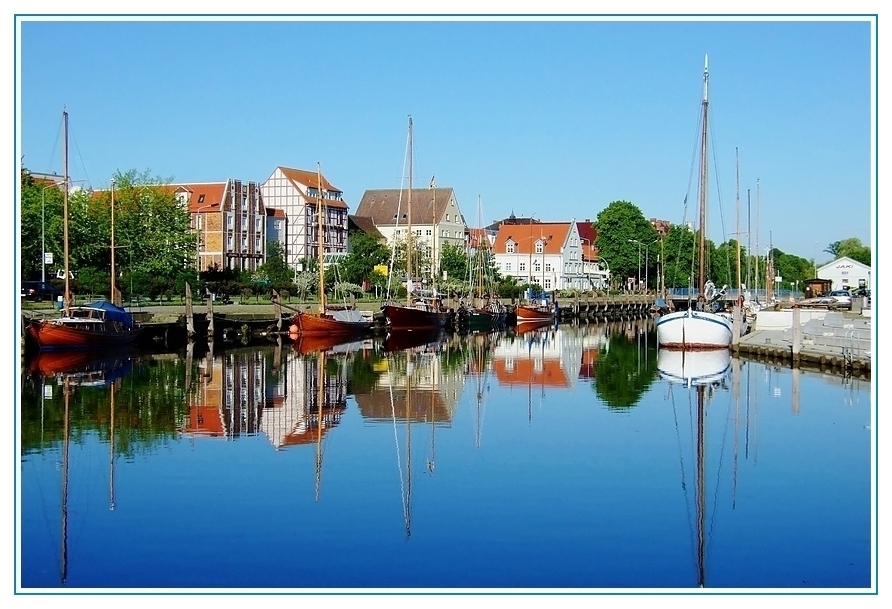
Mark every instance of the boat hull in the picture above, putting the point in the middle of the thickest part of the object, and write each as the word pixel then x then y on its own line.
pixel 534 313
pixel 410 318
pixel 53 334
pixel 694 367
pixel 694 330
pixel 310 324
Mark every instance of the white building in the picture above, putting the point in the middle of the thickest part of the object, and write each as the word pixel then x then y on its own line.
pixel 436 216
pixel 845 273
pixel 551 254
pixel 295 191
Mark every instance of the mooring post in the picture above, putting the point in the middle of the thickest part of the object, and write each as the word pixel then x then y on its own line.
pixel 797 333
pixel 190 325
pixel 735 331
pixel 210 316
pixel 277 307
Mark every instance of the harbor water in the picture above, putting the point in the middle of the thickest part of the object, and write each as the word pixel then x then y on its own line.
pixel 570 458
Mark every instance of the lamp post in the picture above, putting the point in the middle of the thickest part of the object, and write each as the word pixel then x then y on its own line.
pixel 639 259
pixel 646 267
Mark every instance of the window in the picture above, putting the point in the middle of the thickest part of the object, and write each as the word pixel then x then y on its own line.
pixel 522 266
pixel 418 233
pixel 428 232
pixel 548 284
pixel 447 217
pixel 508 267
pixel 230 220
pixel 201 198
pixel 509 247
pixel 540 247
pixel 537 266
pixel 547 267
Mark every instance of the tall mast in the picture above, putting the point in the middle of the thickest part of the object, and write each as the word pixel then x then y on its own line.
pixel 756 275
pixel 113 297
pixel 67 302
pixel 704 161
pixel 321 247
pixel 409 220
pixel 737 158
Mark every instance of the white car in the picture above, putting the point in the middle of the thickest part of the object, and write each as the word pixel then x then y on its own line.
pixel 842 297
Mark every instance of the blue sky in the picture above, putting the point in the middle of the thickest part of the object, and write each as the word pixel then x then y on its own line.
pixel 552 119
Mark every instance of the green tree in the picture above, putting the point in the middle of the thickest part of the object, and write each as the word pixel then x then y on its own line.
pixel 621 227
pixel 623 373
pixel 275 269
pixel 454 262
pixel 40 217
pixel 366 252
pixel 854 249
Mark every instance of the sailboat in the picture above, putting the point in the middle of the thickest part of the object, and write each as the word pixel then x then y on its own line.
pixel 697 329
pixel 486 310
pixel 342 322
pixel 421 311
pixel 100 324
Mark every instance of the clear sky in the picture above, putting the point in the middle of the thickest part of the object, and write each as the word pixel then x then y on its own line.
pixel 536 117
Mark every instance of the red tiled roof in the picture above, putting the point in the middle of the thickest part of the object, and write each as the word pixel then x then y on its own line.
pixel 301 177
pixel 525 236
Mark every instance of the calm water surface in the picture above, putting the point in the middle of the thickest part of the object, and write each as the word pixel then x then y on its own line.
pixel 554 458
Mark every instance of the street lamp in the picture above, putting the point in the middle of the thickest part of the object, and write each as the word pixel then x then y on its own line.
pixel 639 259
pixel 646 267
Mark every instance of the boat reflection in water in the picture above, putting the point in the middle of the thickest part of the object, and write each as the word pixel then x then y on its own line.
pixel 702 373
pixel 694 367
pixel 394 445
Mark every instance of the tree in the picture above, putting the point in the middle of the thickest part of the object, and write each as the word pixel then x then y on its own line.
pixel 366 252
pixel 454 261
pixel 275 269
pixel 833 249
pixel 619 226
pixel 854 249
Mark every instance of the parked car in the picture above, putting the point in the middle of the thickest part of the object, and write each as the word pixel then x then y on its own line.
pixel 39 290
pixel 842 297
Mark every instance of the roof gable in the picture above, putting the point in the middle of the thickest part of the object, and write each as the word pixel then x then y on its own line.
pixel 844 262
pixel 387 207
pixel 525 236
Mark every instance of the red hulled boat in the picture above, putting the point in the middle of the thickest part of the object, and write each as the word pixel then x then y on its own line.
pixel 97 325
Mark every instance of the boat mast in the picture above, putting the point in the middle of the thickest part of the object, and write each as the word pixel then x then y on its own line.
pixel 737 158
pixel 67 302
pixel 321 244
pixel 756 275
pixel 409 222
pixel 113 297
pixel 704 160
pixel 435 262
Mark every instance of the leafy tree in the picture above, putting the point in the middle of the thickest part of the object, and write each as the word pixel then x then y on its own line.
pixel 619 225
pixel 92 281
pixel 854 249
pixel 454 262
pixel 41 220
pixel 366 252
pixel 833 249
pixel 275 269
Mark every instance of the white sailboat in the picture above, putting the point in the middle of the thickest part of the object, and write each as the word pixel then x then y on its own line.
pixel 697 329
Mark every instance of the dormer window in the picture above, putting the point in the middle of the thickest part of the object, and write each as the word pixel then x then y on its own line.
pixel 540 247
pixel 201 198
pixel 509 247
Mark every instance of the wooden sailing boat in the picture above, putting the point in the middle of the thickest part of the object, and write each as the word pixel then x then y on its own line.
pixel 421 311
pixel 697 329
pixel 486 310
pixel 328 322
pixel 100 324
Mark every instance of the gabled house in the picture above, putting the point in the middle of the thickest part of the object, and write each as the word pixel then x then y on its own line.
pixel 295 192
pixel 436 216
pixel 229 219
pixel 550 254
pixel 846 274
